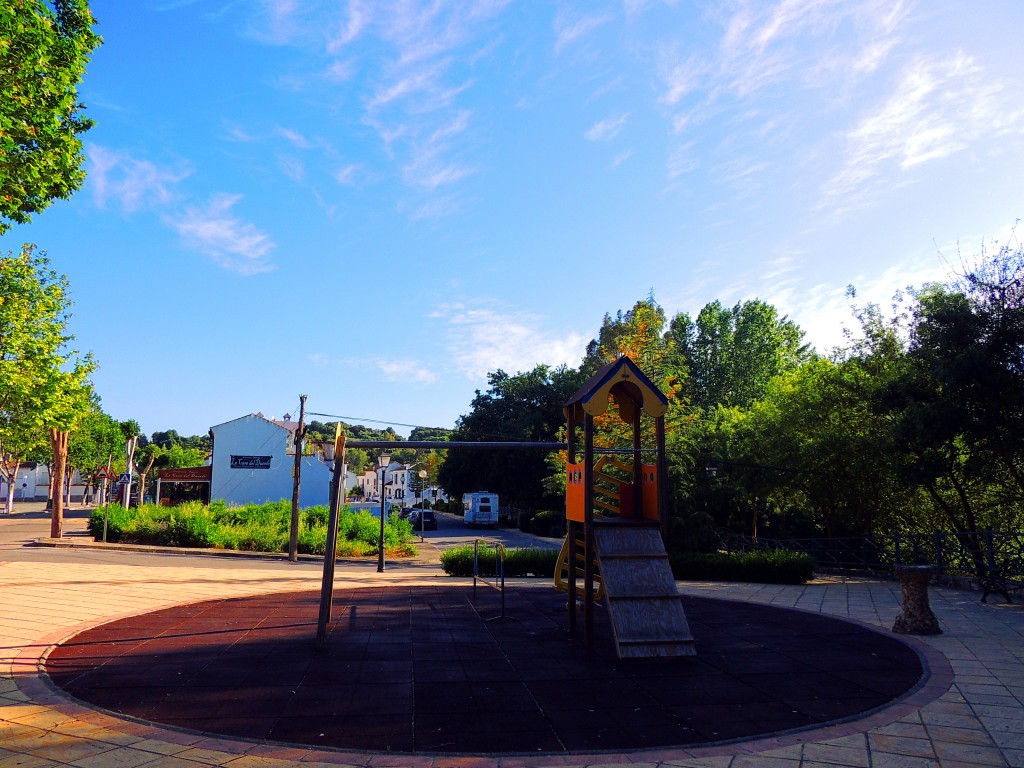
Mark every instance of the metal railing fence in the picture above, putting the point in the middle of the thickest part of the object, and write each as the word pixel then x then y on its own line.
pixel 964 555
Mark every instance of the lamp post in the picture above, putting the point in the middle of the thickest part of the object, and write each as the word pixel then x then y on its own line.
pixel 422 474
pixel 334 453
pixel 385 460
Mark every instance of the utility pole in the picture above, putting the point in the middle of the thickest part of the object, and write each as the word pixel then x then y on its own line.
pixel 293 537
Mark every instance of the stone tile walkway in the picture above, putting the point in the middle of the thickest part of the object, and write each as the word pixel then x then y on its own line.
pixel 978 721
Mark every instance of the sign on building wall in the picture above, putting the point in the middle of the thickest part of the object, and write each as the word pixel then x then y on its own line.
pixel 250 462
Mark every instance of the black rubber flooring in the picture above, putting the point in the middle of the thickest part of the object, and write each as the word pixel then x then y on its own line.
pixel 419 669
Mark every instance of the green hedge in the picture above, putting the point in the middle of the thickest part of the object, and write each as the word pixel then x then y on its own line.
pixel 252 528
pixel 776 566
pixel 524 561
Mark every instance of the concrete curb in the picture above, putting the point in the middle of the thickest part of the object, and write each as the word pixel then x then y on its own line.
pixel 429 554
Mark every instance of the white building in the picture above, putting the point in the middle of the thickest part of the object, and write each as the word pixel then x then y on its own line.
pixel 33 484
pixel 253 460
pixel 399 485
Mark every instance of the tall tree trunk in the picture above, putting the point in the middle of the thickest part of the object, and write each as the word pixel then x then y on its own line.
pixel 59 442
pixel 10 474
pixel 142 478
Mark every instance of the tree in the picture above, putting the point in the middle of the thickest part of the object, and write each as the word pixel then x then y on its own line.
pixel 958 406
pixel 43 54
pixel 818 456
pixel 732 354
pixel 96 438
pixel 521 407
pixel 68 395
pixel 43 383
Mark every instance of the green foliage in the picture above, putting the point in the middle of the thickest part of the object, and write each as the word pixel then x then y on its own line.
pixel 43 54
pixel 253 527
pixel 527 407
pixel 763 567
pixel 44 385
pixel 520 562
pixel 96 437
pixel 547 523
pixel 733 354
pixel 523 520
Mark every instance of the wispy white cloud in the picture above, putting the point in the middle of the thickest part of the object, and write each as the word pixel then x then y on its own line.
pixel 232 243
pixel 606 129
pixel 681 161
pixel 569 28
pixel 482 339
pixel 433 208
pixel 296 138
pixel 621 158
pixel 129 182
pixel 940 106
pixel 357 16
pixel 345 175
pixel 292 167
pixel 810 44
pixel 681 78
pixel 278 22
pixel 239 134
pixel 406 371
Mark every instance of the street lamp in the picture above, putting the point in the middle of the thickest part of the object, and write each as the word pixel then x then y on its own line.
pixel 422 474
pixel 335 454
pixel 385 460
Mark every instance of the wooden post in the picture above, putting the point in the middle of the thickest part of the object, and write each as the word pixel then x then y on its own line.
pixel 571 529
pixel 662 470
pixel 293 534
pixel 331 553
pixel 638 465
pixel 588 530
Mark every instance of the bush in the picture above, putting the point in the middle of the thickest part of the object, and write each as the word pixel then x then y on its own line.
pixel 776 566
pixel 519 562
pixel 252 527
pixel 547 524
pixel 525 516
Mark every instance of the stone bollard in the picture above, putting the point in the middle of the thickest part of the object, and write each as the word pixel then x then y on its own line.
pixel 917 617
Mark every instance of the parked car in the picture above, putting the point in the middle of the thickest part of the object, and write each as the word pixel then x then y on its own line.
pixel 404 513
pixel 429 521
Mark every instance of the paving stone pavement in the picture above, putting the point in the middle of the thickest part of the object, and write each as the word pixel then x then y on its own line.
pixel 978 721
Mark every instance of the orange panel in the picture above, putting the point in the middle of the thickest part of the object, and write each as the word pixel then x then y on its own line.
pixel 574 507
pixel 649 486
pixel 625 499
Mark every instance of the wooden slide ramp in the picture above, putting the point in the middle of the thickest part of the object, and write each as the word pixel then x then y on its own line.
pixel 644 606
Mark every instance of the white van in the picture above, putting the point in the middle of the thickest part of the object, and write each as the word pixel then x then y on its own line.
pixel 480 508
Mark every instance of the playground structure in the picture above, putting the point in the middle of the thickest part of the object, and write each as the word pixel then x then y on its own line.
pixel 617 513
pixel 621 558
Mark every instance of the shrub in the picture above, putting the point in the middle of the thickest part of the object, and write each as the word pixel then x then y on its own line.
pixel 191 525
pixel 547 524
pixel 519 562
pixel 765 567
pixel 525 516
pixel 252 527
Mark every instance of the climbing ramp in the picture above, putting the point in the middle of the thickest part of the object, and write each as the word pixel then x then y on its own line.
pixel 643 604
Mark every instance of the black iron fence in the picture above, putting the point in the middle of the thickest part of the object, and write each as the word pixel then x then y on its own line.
pixel 956 556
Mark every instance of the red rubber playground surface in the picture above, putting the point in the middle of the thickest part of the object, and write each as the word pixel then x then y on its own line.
pixel 420 669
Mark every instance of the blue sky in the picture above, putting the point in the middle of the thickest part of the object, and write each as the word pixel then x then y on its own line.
pixel 376 203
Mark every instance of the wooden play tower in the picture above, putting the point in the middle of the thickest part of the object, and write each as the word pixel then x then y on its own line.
pixel 616 513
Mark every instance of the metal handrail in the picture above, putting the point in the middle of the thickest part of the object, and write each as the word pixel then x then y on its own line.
pixel 499 569
pixel 962 554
